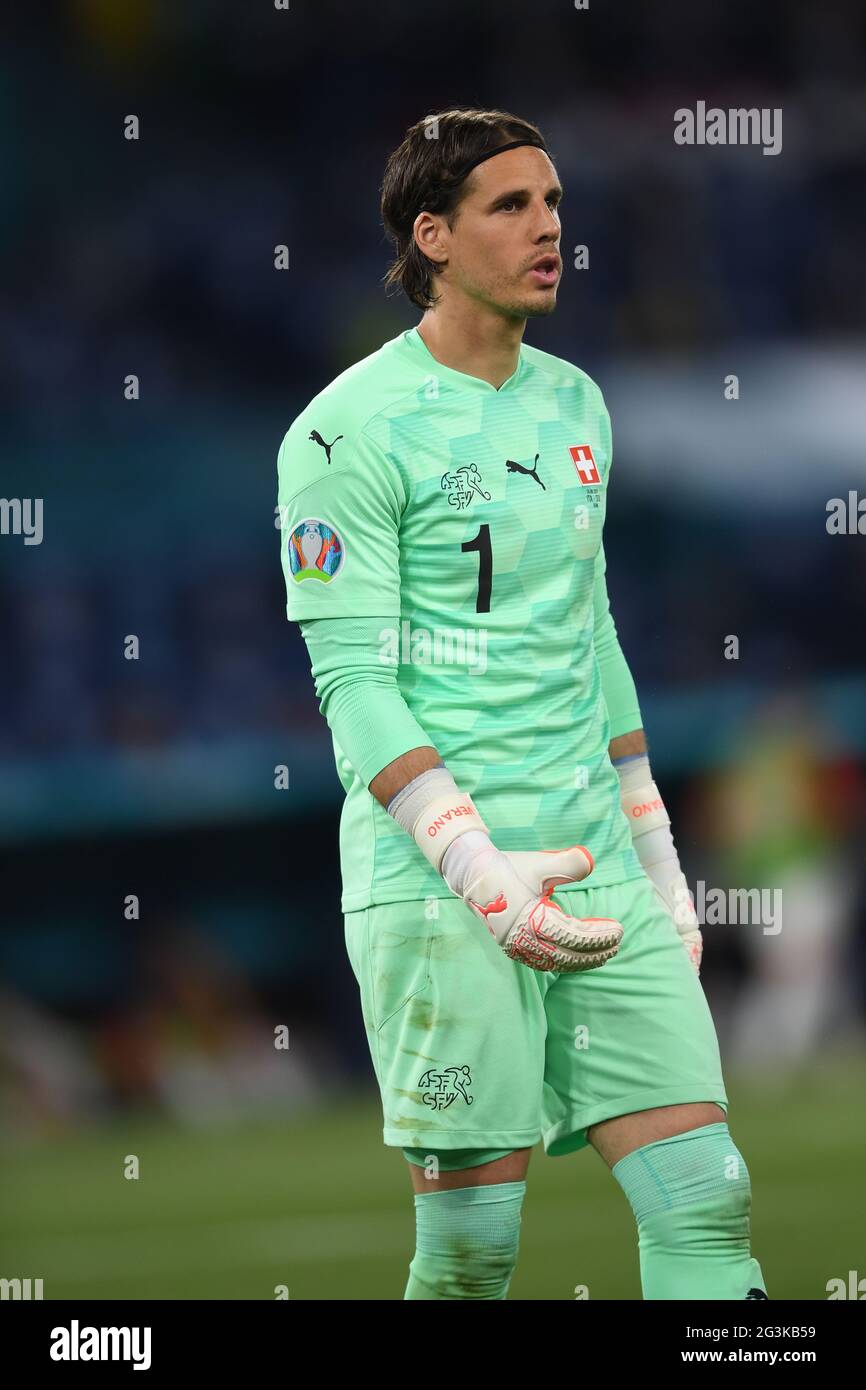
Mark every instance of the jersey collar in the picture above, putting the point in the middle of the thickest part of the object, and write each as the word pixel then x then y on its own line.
pixel 420 351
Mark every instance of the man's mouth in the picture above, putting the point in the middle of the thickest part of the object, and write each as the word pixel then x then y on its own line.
pixel 545 271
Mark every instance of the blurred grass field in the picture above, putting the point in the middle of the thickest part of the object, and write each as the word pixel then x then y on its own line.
pixel 318 1204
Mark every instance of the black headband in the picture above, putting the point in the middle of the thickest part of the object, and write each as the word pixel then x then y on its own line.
pixel 488 154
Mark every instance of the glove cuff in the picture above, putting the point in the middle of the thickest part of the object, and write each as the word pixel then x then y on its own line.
pixel 433 810
pixel 654 844
pixel 640 798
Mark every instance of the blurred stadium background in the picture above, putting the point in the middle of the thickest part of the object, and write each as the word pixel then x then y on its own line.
pixel 156 777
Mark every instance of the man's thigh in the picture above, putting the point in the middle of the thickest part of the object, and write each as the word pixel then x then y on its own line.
pixel 613 1139
pixel 455 1029
pixel 633 1036
pixel 428 1175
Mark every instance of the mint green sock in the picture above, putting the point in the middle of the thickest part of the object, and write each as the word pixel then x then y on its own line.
pixel 691 1196
pixel 466 1242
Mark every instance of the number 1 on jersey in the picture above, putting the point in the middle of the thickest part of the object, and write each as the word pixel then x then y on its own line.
pixel 481 543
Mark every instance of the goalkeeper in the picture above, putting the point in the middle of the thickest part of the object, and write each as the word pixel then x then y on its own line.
pixel 515 914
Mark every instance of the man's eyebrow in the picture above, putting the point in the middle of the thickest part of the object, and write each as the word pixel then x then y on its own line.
pixel 555 189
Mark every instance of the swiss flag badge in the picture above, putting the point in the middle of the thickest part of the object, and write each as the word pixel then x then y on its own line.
pixel 584 462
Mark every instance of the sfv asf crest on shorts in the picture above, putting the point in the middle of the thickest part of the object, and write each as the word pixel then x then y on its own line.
pixel 316 551
pixel 445 1084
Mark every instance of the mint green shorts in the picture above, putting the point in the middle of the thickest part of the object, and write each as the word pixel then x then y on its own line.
pixel 473 1051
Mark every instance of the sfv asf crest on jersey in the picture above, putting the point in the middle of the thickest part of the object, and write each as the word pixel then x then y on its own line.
pixel 462 484
pixel 316 551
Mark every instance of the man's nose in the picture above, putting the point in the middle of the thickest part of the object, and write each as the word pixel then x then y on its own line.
pixel 549 224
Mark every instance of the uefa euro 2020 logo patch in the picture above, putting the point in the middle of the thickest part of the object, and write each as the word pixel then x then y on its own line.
pixel 316 551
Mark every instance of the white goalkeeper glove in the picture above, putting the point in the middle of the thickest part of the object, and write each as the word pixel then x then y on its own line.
pixel 655 848
pixel 509 891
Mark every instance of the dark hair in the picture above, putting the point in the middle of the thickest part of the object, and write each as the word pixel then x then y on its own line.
pixel 422 174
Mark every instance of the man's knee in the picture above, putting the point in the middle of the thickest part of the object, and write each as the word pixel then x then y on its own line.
pixel 467 1242
pixel 695 1164
pixel 691 1196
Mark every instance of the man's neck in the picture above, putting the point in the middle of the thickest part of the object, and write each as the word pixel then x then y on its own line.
pixel 484 346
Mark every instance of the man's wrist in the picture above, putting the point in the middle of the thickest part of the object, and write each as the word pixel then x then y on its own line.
pixel 640 798
pixel 653 839
pixel 435 812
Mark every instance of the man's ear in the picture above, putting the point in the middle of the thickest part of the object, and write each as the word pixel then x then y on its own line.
pixel 427 232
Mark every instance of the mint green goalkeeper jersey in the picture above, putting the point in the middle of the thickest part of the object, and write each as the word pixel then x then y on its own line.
pixel 469 520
